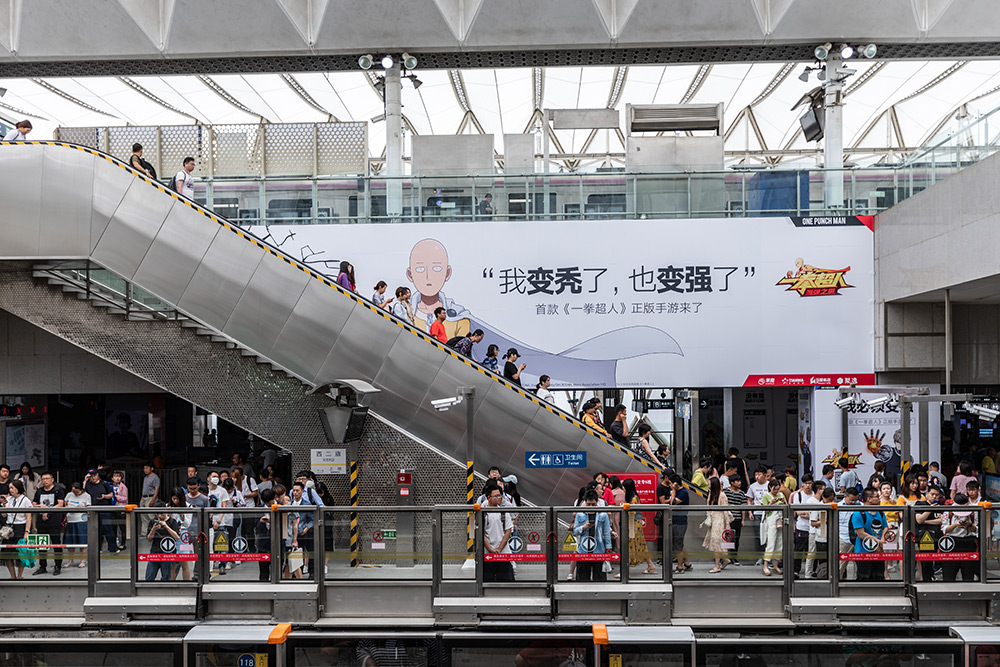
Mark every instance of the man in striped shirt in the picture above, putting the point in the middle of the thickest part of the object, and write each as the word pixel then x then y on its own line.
pixel 735 496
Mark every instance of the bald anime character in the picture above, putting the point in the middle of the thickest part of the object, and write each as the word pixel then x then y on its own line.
pixel 429 271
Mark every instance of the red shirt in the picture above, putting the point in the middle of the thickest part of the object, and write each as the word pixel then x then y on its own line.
pixel 437 330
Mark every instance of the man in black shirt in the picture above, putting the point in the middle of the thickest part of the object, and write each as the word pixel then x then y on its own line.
pixel 929 529
pixel 49 495
pixel 4 480
pixel 485 207
pixel 512 371
pixel 163 536
pixel 101 494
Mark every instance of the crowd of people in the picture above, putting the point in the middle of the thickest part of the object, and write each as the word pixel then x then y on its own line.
pixel 218 491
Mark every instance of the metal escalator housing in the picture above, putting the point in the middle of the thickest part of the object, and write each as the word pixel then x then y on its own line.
pixel 67 201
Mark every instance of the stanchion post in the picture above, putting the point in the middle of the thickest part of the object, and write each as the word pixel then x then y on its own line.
pixel 468 395
pixel 352 452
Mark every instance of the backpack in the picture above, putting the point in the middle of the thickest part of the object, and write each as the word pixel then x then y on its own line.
pixel 453 341
pixel 171 184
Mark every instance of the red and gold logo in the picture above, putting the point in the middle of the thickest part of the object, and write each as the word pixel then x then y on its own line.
pixel 811 281
pixel 835 456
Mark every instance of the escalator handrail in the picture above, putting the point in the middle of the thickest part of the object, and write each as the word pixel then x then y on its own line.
pixel 332 283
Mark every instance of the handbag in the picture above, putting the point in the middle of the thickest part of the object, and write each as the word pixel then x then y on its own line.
pixel 6 532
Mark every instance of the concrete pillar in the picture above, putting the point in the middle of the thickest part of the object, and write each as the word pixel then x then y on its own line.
pixel 833 133
pixel 393 142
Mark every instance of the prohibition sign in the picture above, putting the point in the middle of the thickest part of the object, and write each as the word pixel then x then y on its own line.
pixel 378 536
pixel 890 536
pixel 728 535
pixel 533 537
pixel 186 538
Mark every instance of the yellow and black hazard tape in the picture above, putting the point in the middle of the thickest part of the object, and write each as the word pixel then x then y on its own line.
pixel 351 295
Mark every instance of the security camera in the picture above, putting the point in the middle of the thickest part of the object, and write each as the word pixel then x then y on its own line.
pixel 443 404
pixel 845 402
pixel 878 402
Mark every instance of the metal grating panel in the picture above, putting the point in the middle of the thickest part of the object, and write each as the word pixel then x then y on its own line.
pixel 237 150
pixel 342 148
pixel 290 149
pixel 235 387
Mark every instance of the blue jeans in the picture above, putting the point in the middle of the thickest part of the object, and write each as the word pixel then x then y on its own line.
pixel 153 567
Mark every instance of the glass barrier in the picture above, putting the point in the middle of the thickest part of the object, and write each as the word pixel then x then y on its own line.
pixel 114 556
pixel 587 550
pixel 639 532
pixel 457 532
pixel 946 542
pixel 514 544
pixel 390 544
pixel 41 543
pixel 167 548
pixel 239 544
pixel 570 196
pixel 297 532
pixel 869 547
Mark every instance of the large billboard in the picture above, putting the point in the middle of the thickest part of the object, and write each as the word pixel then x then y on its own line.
pixel 631 303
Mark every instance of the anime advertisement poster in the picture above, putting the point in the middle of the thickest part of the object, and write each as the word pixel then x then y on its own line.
pixel 629 303
pixel 873 434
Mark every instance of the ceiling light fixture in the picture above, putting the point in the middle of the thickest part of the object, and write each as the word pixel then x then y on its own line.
pixel 869 50
pixel 409 62
pixel 846 51
pixel 822 51
pixel 387 62
pixel 366 61
pixel 414 80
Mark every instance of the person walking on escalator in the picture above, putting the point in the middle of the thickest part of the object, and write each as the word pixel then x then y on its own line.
pixel 20 132
pixel 346 276
pixel 589 418
pixel 183 183
pixel 511 370
pixel 619 425
pixel 140 165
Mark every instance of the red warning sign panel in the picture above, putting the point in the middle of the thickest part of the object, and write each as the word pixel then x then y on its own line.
pixel 513 558
pixel 239 557
pixel 167 558
pixel 590 557
pixel 889 555
pixel 955 555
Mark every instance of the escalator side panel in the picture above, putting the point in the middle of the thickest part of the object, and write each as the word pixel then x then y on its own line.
pixel 131 230
pixel 110 186
pixel 266 303
pixel 68 177
pixel 502 421
pixel 20 215
pixel 317 320
pixel 407 368
pixel 361 347
pixel 448 427
pixel 177 250
pixel 220 279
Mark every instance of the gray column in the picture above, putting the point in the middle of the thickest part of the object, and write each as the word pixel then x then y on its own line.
pixel 393 142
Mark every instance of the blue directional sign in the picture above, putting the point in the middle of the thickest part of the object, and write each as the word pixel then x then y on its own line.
pixel 555 459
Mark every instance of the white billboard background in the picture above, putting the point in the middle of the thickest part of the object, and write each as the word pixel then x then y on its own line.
pixel 622 326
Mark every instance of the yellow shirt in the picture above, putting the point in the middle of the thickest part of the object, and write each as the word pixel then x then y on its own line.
pixel 698 479
pixel 589 420
pixel 790 483
pixel 891 516
pixel 988 465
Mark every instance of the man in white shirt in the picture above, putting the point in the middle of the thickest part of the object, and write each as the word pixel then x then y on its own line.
pixel 818 521
pixel 497 528
pixel 184 184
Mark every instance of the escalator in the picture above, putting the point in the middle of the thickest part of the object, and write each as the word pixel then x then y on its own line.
pixel 67 202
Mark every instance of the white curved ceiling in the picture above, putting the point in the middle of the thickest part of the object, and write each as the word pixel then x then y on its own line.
pixel 890 106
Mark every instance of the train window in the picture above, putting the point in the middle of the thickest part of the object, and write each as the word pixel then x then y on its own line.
pixel 381 652
pixel 821 653
pixel 81 655
pixel 519 204
pixel 541 652
pixel 645 655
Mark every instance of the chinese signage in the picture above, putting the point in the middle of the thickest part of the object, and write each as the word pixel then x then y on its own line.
pixel 627 303
pixel 328 461
pixel 555 459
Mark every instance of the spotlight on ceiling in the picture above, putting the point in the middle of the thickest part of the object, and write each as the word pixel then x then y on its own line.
pixel 805 75
pixel 822 51
pixel 821 75
pixel 869 50
pixel 846 51
pixel 415 81
pixel 387 62
pixel 409 62
pixel 366 61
